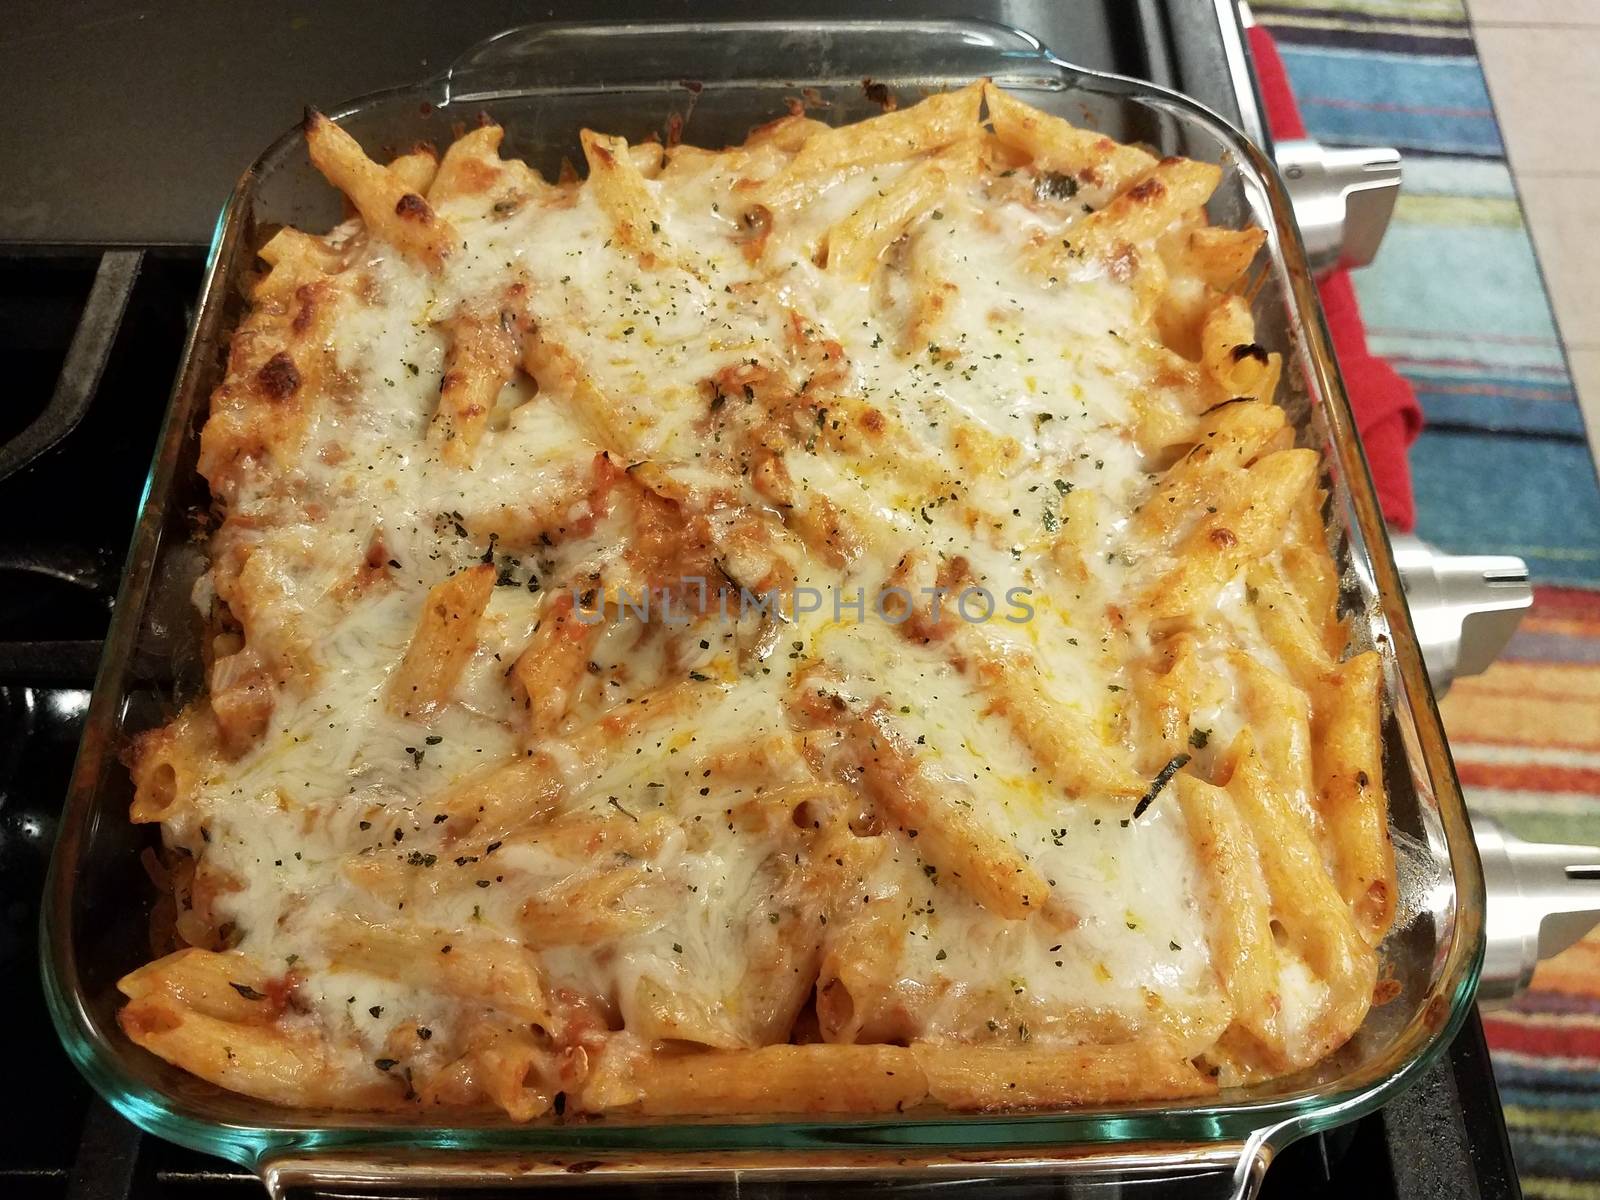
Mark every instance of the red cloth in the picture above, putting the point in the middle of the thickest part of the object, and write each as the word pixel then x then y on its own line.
pixel 1385 407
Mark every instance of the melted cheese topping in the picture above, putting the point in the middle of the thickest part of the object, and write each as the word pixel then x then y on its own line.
pixel 933 422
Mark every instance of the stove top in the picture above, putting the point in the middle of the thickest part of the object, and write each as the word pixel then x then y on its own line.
pixel 96 287
pixel 216 83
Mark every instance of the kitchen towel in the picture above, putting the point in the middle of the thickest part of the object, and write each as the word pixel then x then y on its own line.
pixel 1384 404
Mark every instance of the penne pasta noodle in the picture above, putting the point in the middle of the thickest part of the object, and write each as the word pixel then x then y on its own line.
pixel 773 1079
pixel 444 640
pixel 1237 365
pixel 1081 540
pixel 550 671
pixel 647 158
pixel 227 986
pixel 1137 217
pixel 483 356
pixel 524 790
pixel 1251 515
pixel 1227 440
pixel 613 426
pixel 852 247
pixel 1216 255
pixel 1169 691
pixel 1309 569
pixel 1285 618
pixel 619 188
pixel 1349 764
pixel 170 764
pixel 261 1061
pixel 787 133
pixel 516 1072
pixel 1056 145
pixel 391 209
pixel 1062 739
pixel 499 974
pixel 980 1078
pixel 590 909
pixel 987 867
pixel 936 122
pixel 659 1013
pixel 1238 917
pixel 1280 725
pixel 295 259
pixel 1305 902
pixel 470 165
pixel 602 837
pixel 824 1078
pixel 416 169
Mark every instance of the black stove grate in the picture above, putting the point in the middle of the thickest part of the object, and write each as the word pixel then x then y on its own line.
pixel 97 357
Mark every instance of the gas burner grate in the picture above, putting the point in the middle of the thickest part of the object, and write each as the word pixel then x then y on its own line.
pixel 98 354
pixel 39 1138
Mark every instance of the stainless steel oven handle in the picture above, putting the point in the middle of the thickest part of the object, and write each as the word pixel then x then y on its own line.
pixel 1540 897
pixel 1343 198
pixel 1465 607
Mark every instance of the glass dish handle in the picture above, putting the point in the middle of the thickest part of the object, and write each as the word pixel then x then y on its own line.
pixel 594 57
pixel 1138 1171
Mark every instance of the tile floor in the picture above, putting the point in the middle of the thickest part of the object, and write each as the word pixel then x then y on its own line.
pixel 1542 60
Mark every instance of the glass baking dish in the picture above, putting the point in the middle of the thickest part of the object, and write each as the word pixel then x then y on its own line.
pixel 718 80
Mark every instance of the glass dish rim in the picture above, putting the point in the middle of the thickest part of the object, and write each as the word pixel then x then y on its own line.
pixel 1267 1121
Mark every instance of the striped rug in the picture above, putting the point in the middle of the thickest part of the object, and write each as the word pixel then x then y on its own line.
pixel 1526 738
pixel 1456 302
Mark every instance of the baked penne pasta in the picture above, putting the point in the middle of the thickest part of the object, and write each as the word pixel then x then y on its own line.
pixel 169 765
pixel 1251 516
pixel 1306 904
pixel 1229 352
pixel 1138 216
pixel 1218 256
pixel 1227 440
pixel 525 789
pixel 471 164
pixel 832 624
pixel 500 975
pixel 773 1079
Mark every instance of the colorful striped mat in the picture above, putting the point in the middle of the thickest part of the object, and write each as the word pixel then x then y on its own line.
pixel 1456 302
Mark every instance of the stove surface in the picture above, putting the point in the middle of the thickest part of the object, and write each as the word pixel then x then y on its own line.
pixel 92 341
pixel 172 101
